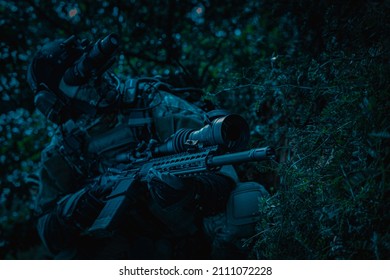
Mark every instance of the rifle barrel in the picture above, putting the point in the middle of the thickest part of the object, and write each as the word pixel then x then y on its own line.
pixel 257 154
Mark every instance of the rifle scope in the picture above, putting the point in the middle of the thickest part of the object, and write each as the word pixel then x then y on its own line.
pixel 98 59
pixel 230 132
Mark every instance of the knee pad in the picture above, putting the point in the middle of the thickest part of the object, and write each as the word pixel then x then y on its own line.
pixel 241 215
pixel 242 211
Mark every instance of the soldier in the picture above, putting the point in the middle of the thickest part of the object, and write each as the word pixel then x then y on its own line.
pixel 100 117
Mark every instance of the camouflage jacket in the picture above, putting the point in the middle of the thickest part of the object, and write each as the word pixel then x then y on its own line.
pixel 87 146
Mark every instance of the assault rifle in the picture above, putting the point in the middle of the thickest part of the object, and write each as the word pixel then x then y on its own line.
pixel 185 154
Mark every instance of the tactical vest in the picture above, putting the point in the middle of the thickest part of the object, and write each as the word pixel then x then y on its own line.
pixel 89 145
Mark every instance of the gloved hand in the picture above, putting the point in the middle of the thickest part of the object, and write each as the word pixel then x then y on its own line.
pixel 167 189
pixel 80 209
pixel 173 202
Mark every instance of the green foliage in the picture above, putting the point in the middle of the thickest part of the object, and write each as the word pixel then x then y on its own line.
pixel 311 78
pixel 21 136
pixel 327 114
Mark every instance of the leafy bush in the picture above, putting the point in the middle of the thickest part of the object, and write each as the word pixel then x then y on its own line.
pixel 22 135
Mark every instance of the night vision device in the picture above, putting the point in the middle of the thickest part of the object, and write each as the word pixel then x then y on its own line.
pixel 97 59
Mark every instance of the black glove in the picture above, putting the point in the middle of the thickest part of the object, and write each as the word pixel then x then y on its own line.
pixel 80 209
pixel 167 189
pixel 209 191
pixel 173 202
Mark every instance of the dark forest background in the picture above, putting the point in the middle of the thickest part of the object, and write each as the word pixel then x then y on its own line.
pixel 311 78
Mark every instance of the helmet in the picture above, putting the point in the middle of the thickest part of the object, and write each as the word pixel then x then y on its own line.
pixel 60 71
pixel 45 72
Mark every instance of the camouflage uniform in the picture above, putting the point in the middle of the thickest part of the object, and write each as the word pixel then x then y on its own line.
pixel 87 147
pixel 99 119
